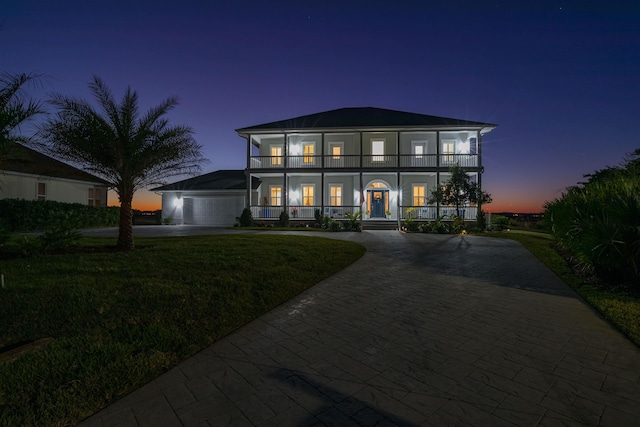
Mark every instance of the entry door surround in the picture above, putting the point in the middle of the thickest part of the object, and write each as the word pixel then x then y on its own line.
pixel 378 199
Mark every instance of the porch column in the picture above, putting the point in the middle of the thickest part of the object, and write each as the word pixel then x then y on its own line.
pixel 248 173
pixel 398 194
pixel 322 193
pixel 480 169
pixel 438 173
pixel 285 188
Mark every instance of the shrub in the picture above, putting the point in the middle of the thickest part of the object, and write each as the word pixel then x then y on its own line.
pixel 62 233
pixel 499 222
pixel 334 225
pixel 246 218
pixel 284 219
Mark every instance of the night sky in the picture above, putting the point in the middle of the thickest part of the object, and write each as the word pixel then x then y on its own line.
pixel 561 79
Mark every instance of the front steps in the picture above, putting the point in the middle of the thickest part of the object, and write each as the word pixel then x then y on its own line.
pixel 381 224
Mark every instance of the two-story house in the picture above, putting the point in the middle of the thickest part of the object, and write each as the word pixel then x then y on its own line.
pixel 383 163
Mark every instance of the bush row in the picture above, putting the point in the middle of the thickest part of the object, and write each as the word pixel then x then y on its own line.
pixel 19 215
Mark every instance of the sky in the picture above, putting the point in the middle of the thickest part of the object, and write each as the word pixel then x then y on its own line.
pixel 561 79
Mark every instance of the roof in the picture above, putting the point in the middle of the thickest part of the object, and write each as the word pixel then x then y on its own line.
pixel 363 117
pixel 28 161
pixel 218 180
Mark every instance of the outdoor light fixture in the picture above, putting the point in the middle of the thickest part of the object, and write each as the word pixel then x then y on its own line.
pixel 178 202
pixel 295 195
pixel 464 148
pixel 295 150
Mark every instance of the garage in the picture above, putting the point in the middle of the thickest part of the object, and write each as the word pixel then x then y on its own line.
pixel 213 199
pixel 217 210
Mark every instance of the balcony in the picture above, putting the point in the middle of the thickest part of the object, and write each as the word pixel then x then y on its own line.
pixel 365 161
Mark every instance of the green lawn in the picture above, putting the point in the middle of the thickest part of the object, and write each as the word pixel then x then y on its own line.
pixel 121 319
pixel 620 309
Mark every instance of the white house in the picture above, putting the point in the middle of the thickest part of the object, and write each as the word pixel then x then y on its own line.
pixel 30 175
pixel 383 163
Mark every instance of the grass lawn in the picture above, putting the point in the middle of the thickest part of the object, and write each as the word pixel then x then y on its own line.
pixel 121 319
pixel 620 309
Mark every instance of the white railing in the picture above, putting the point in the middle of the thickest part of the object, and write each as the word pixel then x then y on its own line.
pixel 266 212
pixel 368 161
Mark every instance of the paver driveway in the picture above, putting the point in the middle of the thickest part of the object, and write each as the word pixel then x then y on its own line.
pixel 422 330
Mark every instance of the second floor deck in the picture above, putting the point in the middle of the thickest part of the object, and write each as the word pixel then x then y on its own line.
pixel 358 161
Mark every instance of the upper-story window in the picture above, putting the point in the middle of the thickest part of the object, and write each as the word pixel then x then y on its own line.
pixel 276 155
pixel 308 153
pixel 41 191
pixel 336 151
pixel 94 197
pixel 377 150
pixel 448 149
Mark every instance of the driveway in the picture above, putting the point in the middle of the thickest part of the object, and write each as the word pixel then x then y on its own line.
pixel 422 330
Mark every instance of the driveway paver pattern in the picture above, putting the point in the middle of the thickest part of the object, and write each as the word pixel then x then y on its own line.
pixel 422 330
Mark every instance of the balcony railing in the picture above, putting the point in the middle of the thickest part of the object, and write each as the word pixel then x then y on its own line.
pixel 302 212
pixel 353 161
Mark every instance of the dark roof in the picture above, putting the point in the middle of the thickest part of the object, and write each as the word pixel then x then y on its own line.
pixel 218 180
pixel 365 117
pixel 19 158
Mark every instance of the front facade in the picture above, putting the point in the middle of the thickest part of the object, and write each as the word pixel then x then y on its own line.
pixel 30 175
pixel 383 163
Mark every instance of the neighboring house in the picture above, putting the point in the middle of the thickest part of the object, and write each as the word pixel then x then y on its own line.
pixel 216 198
pixel 30 175
pixel 384 163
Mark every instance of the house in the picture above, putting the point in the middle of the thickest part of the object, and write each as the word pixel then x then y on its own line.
pixel 30 175
pixel 384 163
pixel 216 198
pixel 380 162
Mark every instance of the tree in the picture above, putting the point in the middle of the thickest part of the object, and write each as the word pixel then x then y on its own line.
pixel 458 191
pixel 15 109
pixel 116 143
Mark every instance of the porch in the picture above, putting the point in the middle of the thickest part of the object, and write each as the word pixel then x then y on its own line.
pixel 357 161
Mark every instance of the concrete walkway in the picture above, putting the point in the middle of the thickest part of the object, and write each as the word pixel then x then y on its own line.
pixel 423 330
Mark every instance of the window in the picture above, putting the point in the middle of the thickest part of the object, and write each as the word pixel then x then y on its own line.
pixel 447 151
pixel 308 151
pixel 307 195
pixel 335 195
pixel 336 151
pixel 377 149
pixel 276 155
pixel 41 191
pixel 419 191
pixel 276 195
pixel 94 197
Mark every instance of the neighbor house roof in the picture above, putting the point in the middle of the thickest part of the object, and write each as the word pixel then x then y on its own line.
pixel 28 161
pixel 218 180
pixel 363 117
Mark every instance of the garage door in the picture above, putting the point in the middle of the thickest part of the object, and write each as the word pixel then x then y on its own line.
pixel 221 210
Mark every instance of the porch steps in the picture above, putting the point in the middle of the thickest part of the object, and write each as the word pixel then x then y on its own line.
pixel 379 225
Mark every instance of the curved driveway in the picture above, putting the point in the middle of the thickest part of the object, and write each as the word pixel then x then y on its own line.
pixel 422 330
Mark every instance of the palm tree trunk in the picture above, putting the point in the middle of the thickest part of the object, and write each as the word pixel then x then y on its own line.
pixel 125 233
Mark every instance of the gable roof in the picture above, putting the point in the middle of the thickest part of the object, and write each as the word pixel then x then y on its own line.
pixel 218 180
pixel 28 161
pixel 363 117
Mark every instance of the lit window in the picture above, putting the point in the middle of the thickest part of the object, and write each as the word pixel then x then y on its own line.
pixel 336 151
pixel 276 196
pixel 41 191
pixel 418 195
pixel 276 155
pixel 307 195
pixel 377 149
pixel 308 150
pixel 335 195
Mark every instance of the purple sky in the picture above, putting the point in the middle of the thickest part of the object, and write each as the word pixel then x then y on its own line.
pixel 561 80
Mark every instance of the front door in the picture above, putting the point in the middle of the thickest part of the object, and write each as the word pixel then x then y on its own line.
pixel 378 203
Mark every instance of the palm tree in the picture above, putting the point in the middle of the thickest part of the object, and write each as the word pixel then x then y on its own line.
pixel 15 109
pixel 127 150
